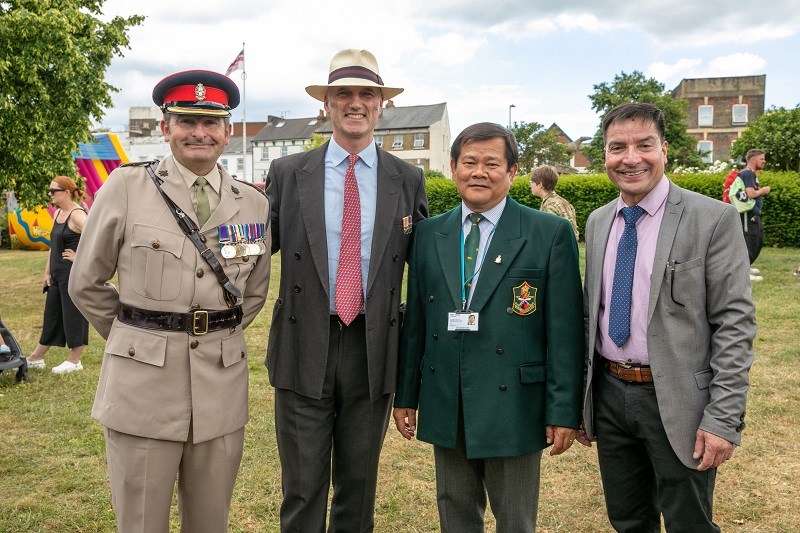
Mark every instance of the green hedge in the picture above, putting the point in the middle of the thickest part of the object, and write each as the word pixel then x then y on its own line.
pixel 587 192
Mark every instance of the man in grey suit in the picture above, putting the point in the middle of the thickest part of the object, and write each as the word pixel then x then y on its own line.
pixel 670 327
pixel 342 216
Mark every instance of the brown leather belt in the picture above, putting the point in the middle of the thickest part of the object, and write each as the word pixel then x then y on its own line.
pixel 630 373
pixel 198 322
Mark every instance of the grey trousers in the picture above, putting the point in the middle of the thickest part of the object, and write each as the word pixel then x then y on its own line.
pixel 337 438
pixel 462 486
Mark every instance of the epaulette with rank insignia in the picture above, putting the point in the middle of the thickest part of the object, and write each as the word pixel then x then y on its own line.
pixel 259 189
pixel 140 163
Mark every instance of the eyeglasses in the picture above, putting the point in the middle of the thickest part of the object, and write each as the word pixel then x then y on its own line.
pixel 53 191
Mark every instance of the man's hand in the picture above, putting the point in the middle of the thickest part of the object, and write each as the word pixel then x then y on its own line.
pixel 583 438
pixel 560 438
pixel 405 420
pixel 712 450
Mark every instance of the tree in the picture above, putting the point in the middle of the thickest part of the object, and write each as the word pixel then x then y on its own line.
pixel 634 87
pixel 317 140
pixel 777 132
pixel 538 146
pixel 53 58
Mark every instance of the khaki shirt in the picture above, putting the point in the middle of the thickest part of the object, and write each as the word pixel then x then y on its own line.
pixel 560 206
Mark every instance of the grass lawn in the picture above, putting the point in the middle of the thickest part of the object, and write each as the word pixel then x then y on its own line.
pixel 53 474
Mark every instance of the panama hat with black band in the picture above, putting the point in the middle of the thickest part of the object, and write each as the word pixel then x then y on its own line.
pixel 353 68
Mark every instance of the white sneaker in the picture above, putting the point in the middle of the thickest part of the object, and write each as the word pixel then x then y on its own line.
pixel 39 364
pixel 752 278
pixel 754 271
pixel 66 366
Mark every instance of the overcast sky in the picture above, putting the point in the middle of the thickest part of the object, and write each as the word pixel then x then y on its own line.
pixel 478 56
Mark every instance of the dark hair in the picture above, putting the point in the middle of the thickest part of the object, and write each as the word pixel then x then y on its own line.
pixel 643 112
pixel 753 152
pixel 484 131
pixel 546 175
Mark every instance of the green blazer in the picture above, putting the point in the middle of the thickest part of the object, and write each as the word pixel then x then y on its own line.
pixel 523 369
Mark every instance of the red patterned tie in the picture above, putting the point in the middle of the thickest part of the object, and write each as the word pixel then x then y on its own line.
pixel 349 296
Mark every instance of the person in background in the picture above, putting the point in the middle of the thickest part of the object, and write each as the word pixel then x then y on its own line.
pixel 343 217
pixel 63 324
pixel 491 353
pixel 754 230
pixel 670 328
pixel 543 185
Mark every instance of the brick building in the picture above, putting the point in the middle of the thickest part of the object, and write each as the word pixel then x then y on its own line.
pixel 720 109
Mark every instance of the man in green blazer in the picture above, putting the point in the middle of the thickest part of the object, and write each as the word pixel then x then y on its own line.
pixel 491 350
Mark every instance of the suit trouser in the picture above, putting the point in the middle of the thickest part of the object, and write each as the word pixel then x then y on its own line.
pixel 142 475
pixel 642 477
pixel 343 431
pixel 512 484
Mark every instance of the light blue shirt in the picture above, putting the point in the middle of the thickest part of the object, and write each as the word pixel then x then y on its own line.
pixel 487 225
pixel 367 178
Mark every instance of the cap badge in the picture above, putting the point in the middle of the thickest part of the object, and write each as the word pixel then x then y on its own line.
pixel 200 91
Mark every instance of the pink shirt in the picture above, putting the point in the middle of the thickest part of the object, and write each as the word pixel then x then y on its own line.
pixel 647 227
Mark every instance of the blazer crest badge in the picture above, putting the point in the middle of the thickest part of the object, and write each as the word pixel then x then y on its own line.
pixel 524 299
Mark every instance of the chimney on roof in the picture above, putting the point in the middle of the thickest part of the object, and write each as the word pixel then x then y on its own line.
pixel 389 104
pixel 321 114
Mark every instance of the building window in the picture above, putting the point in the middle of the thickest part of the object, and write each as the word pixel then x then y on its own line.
pixel 705 115
pixel 265 153
pixel 739 113
pixel 379 140
pixel 419 140
pixel 284 150
pixel 706 151
pixel 239 164
pixel 398 140
pixel 224 163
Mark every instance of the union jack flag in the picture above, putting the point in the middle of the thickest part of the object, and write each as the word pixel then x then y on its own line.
pixel 237 64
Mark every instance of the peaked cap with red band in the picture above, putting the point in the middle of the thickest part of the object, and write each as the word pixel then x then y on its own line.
pixel 197 92
pixel 353 68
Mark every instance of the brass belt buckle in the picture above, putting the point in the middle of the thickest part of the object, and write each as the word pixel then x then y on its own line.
pixel 203 329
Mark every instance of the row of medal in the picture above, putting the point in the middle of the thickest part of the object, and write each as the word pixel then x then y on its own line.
pixel 242 240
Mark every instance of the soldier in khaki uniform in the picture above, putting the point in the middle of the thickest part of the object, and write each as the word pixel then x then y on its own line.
pixel 543 184
pixel 173 386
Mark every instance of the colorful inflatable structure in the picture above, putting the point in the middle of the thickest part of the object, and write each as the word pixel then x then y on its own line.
pixel 95 161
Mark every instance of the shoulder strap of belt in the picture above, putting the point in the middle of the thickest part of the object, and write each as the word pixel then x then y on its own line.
pixel 188 226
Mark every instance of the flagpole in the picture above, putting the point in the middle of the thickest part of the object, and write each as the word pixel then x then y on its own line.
pixel 244 119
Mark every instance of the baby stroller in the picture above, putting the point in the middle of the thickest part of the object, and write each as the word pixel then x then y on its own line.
pixel 15 359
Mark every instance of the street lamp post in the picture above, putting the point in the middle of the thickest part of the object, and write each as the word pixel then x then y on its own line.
pixel 509 115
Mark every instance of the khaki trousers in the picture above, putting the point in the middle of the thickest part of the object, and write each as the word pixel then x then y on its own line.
pixel 142 475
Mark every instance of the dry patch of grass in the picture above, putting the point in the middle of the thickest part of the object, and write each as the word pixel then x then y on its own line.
pixel 53 474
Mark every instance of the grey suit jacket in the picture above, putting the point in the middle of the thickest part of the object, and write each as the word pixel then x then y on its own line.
pixel 701 319
pixel 298 340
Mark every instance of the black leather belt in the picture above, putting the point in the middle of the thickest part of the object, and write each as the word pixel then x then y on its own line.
pixel 198 322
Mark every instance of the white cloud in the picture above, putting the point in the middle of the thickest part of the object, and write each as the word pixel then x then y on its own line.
pixel 679 69
pixel 451 49
pixel 738 64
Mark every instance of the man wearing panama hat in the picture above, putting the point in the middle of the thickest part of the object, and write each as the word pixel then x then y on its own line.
pixel 172 393
pixel 342 215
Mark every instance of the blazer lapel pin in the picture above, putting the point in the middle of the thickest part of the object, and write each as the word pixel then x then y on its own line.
pixel 498 259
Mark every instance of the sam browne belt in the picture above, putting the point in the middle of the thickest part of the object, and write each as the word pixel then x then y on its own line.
pixel 198 322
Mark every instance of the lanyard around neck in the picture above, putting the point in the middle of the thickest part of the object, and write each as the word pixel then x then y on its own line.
pixel 477 269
